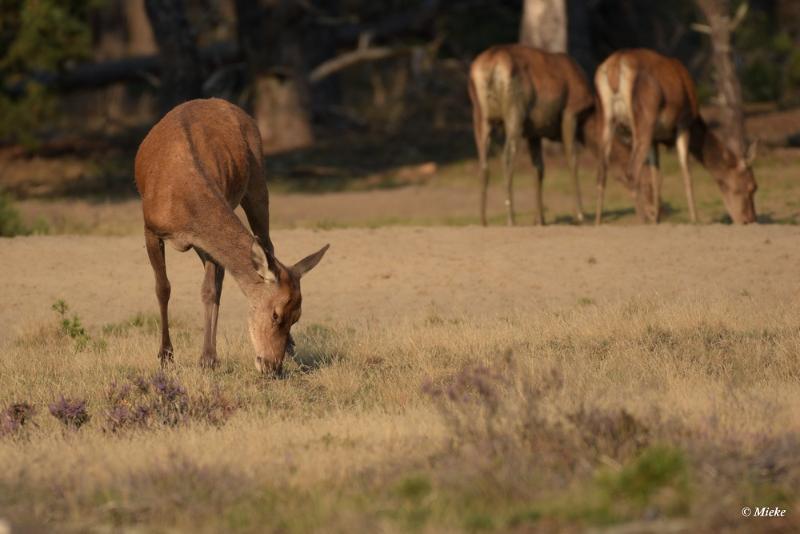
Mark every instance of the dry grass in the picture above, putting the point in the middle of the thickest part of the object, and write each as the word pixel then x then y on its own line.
pixel 678 413
pixel 449 197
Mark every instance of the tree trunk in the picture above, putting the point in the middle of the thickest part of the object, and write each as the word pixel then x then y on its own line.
pixel 140 33
pixel 544 25
pixel 729 92
pixel 279 87
pixel 181 69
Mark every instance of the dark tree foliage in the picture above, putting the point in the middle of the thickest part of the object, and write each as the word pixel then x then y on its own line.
pixel 37 37
pixel 181 70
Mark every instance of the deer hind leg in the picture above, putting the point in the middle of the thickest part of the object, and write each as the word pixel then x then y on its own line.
pixel 513 129
pixel 482 130
pixel 210 294
pixel 642 144
pixel 655 177
pixel 606 140
pixel 568 129
pixel 535 149
pixel 155 251
pixel 682 146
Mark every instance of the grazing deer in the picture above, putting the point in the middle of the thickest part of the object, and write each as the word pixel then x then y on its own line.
pixel 193 168
pixel 536 95
pixel 654 97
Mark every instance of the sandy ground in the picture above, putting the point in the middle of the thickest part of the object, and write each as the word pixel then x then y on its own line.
pixel 386 273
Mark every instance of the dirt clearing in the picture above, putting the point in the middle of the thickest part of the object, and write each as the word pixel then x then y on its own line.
pixel 386 273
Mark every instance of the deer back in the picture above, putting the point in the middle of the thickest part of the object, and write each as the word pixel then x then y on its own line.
pixel 540 84
pixel 197 159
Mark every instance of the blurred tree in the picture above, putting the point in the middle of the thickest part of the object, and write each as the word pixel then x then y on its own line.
pixel 544 25
pixel 181 69
pixel 729 92
pixel 270 37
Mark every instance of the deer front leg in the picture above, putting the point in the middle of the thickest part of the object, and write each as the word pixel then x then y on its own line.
pixel 482 130
pixel 155 251
pixel 682 146
pixel 513 135
pixel 602 168
pixel 210 295
pixel 641 148
pixel 535 149
pixel 568 128
pixel 655 177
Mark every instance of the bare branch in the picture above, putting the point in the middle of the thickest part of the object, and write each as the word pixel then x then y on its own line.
pixel 348 59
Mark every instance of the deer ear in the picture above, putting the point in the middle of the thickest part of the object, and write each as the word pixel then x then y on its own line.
pixel 262 264
pixel 309 262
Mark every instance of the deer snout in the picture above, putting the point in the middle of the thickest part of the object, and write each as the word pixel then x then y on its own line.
pixel 268 367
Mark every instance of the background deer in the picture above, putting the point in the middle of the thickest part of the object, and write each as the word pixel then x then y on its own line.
pixel 193 168
pixel 535 95
pixel 654 97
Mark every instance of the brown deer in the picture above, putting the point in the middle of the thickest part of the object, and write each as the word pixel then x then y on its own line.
pixel 533 94
pixel 193 168
pixel 654 97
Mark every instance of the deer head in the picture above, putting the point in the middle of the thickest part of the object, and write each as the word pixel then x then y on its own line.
pixel 275 305
pixel 738 186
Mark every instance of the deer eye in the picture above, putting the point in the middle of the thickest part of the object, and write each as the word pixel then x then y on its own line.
pixel 275 317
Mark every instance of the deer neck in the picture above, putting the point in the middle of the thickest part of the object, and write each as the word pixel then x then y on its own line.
pixel 707 148
pixel 228 242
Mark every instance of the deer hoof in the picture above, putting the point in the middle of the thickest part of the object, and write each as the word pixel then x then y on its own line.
pixel 208 360
pixel 165 356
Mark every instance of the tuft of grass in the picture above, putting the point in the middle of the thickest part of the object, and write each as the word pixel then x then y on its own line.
pixel 10 221
pixel 148 323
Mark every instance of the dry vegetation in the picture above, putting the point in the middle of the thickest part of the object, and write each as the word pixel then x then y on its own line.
pixel 676 413
pixel 638 379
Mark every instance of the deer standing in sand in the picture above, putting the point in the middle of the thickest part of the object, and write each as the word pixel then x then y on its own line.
pixel 535 95
pixel 193 168
pixel 654 97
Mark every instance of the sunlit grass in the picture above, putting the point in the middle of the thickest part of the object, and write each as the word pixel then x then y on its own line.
pixel 591 416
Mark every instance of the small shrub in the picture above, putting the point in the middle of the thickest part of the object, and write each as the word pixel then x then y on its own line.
pixel 499 431
pixel 14 418
pixel 162 401
pixel 655 482
pixel 10 220
pixel 170 403
pixel 214 407
pixel 71 412
pixel 414 488
pixel 615 434
pixel 73 328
